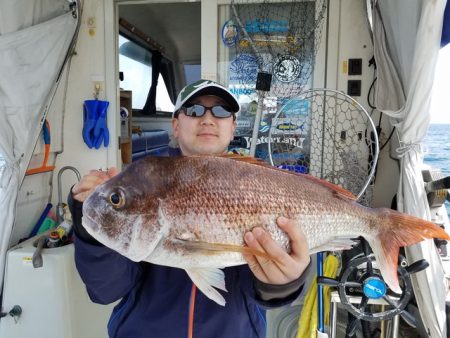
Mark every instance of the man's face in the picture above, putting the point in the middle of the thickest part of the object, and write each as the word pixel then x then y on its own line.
pixel 206 134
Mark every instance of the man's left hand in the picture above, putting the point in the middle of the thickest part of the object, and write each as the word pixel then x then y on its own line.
pixel 286 267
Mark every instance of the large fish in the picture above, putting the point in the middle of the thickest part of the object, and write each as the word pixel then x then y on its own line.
pixel 192 213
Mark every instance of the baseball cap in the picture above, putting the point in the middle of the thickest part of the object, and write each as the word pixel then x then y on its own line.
pixel 206 87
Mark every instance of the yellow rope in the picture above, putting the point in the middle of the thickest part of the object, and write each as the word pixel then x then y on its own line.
pixel 307 323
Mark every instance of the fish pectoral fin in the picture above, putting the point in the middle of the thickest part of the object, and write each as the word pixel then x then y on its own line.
pixel 335 244
pixel 206 280
pixel 212 248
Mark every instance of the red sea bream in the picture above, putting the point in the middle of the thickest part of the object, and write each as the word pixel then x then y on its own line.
pixel 192 213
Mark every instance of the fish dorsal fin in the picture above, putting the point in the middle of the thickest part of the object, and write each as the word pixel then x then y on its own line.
pixel 246 159
pixel 341 192
pixel 236 157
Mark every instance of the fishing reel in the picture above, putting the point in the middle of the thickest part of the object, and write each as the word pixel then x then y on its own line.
pixel 361 280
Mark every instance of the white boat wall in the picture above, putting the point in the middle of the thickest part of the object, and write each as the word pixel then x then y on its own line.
pixel 56 54
pixel 414 76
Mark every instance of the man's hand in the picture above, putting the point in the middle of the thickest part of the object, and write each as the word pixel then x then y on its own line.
pixel 287 267
pixel 90 181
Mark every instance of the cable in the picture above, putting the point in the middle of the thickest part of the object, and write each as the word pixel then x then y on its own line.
pixel 374 64
pixel 191 311
pixel 368 93
pixel 387 141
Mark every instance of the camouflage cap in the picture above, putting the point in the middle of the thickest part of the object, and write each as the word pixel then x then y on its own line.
pixel 206 87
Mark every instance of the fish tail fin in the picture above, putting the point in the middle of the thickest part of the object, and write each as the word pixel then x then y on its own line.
pixel 398 230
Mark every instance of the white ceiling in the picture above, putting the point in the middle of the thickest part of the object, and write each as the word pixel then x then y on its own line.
pixel 176 26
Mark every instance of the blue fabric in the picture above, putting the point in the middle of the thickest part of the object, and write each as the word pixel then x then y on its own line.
pixel 174 152
pixel 95 130
pixel 46 131
pixel 155 299
pixel 150 143
pixel 445 38
pixel 101 133
pixel 89 120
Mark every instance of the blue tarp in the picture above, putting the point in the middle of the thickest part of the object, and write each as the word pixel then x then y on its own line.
pixel 445 39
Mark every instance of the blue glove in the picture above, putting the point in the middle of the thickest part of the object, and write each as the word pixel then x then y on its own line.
pixel 89 121
pixel 95 129
pixel 101 133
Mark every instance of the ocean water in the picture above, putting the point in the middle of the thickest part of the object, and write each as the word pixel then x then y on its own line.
pixel 437 150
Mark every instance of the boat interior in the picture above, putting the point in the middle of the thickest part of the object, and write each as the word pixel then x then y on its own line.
pixel 312 93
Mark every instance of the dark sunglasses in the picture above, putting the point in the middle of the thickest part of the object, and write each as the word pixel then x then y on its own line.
pixel 198 110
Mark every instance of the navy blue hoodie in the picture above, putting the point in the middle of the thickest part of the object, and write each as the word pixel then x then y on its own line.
pixel 156 300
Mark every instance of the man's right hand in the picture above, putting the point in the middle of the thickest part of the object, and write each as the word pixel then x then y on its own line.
pixel 89 182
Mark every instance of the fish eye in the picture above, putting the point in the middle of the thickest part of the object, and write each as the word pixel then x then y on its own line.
pixel 117 199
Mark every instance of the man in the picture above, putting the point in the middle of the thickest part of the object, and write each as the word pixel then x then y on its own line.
pixel 159 301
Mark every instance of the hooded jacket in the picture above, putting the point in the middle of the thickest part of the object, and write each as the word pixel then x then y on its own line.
pixel 159 301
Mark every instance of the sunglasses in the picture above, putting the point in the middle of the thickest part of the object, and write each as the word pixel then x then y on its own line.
pixel 198 110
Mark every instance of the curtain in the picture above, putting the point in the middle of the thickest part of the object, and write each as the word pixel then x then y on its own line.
pixel 407 36
pixel 150 105
pixel 167 74
pixel 33 47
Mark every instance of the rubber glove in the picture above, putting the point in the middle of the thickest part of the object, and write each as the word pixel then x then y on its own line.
pixel 89 121
pixel 101 133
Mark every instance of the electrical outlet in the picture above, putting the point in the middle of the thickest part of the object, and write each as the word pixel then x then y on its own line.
pixel 355 66
pixel 354 87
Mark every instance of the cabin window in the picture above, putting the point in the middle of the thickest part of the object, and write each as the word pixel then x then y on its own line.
pixel 135 62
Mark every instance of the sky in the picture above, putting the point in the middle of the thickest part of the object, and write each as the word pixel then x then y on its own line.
pixel 440 102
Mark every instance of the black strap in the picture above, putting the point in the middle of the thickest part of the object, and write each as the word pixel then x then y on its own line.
pixel 150 105
pixel 76 209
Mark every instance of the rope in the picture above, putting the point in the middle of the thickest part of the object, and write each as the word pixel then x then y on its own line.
pixel 308 321
pixel 191 311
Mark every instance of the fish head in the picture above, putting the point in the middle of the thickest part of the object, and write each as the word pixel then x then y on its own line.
pixel 122 214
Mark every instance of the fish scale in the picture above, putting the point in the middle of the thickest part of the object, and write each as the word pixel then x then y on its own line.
pixel 252 194
pixel 192 213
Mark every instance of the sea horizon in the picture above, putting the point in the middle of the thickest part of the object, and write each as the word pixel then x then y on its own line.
pixel 437 150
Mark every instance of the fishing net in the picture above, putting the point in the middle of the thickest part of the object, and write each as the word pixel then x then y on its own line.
pixel 329 135
pixel 321 132
pixel 280 38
